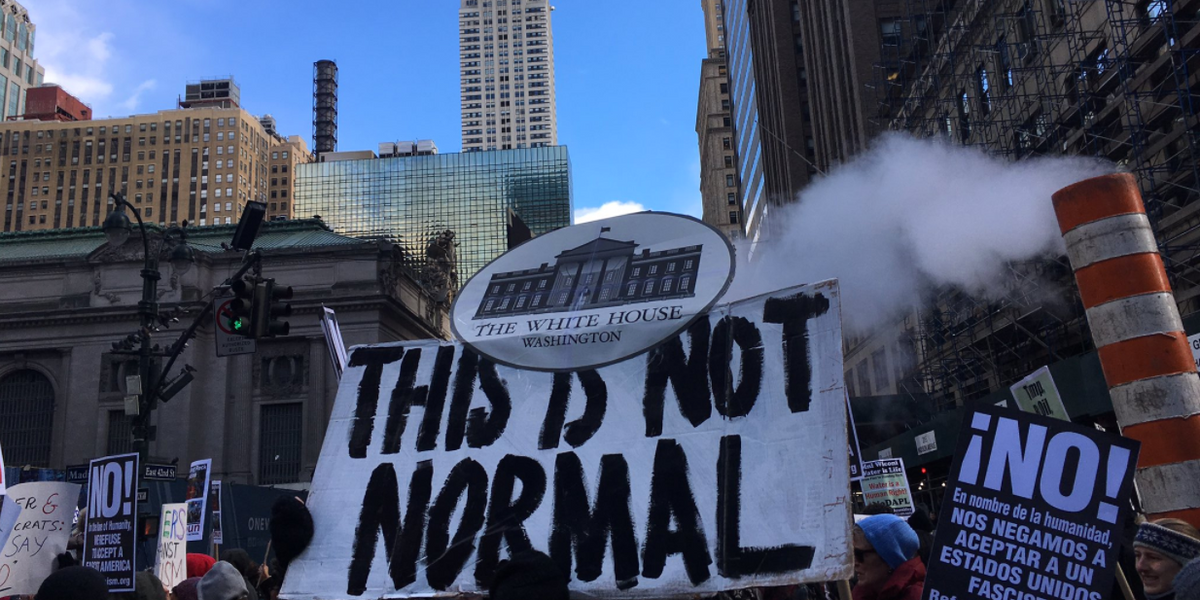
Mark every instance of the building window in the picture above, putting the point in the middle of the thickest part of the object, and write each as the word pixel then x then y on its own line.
pixel 537 300
pixel 280 442
pixel 632 289
pixel 889 32
pixel 649 287
pixel 667 284
pixel 728 161
pixel 729 181
pixel 26 417
pixel 725 144
pixel 733 217
pixel 879 368
pixel 983 90
pixel 120 432
pixel 731 198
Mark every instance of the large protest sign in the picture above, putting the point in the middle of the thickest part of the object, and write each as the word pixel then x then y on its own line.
pixel 197 498
pixel 885 482
pixel 9 513
pixel 110 541
pixel 171 566
pixel 39 534
pixel 715 461
pixel 1034 508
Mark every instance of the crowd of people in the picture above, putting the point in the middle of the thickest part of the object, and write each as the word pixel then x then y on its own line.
pixel 890 558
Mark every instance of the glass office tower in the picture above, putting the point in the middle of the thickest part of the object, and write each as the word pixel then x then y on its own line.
pixel 481 196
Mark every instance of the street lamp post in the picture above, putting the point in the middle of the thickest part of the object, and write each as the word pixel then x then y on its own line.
pixel 117 229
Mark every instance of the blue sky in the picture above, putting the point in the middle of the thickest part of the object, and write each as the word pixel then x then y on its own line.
pixel 627 75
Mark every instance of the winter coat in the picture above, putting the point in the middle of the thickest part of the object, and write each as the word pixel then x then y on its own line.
pixel 905 583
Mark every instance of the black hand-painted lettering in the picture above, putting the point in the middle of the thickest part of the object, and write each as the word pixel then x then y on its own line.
pixel 507 515
pixel 460 402
pixel 688 376
pixel 794 312
pixel 381 513
pixel 556 412
pixel 363 423
pixel 595 391
pixel 435 400
pixel 484 427
pixel 404 396
pixel 734 561
pixel 587 531
pixel 445 557
pixel 736 401
pixel 671 495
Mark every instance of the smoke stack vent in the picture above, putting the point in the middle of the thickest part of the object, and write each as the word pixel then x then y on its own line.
pixel 325 85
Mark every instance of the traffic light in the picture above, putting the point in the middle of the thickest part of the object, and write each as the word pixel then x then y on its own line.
pixel 268 309
pixel 242 308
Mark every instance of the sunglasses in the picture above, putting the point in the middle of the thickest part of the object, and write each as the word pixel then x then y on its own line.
pixel 861 555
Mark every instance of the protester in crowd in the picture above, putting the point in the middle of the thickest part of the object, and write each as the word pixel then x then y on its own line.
pixel 198 564
pixel 269 588
pixel 1162 548
pixel 291 529
pixel 885 560
pixel 922 523
pixel 529 575
pixel 148 587
pixel 74 583
pixel 245 565
pixel 1187 582
pixel 223 582
pixel 187 589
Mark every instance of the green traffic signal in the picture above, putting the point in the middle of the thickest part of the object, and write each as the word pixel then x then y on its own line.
pixel 242 308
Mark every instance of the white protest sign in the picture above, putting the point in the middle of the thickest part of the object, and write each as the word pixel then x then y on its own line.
pixel 593 294
pixel 885 482
pixel 39 534
pixel 1194 342
pixel 171 567
pixel 197 498
pixel 9 513
pixel 1037 394
pixel 437 463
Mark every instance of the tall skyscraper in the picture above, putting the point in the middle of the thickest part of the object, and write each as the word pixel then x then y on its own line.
pixel 506 60
pixel 19 70
pixel 768 87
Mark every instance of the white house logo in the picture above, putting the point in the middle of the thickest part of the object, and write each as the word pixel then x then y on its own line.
pixel 593 294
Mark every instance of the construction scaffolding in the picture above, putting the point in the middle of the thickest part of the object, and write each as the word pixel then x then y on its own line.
pixel 1023 78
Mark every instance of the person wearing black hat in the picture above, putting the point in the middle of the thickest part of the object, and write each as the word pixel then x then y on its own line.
pixel 529 575
pixel 74 583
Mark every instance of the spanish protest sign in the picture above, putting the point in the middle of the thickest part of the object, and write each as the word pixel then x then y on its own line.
pixel 885 482
pixel 39 534
pixel 1034 507
pixel 109 543
pixel 715 461
pixel 197 498
pixel 171 567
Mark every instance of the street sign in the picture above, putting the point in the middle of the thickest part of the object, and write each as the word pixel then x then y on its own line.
pixel 77 473
pixel 155 472
pixel 143 495
pixel 228 342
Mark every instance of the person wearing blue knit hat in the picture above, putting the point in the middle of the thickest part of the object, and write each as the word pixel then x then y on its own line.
pixel 885 560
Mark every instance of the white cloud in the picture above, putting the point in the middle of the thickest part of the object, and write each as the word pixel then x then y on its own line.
pixel 608 209
pixel 131 103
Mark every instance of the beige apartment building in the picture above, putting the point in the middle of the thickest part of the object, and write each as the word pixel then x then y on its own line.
pixel 720 188
pixel 506 60
pixel 19 70
pixel 285 155
pixel 197 164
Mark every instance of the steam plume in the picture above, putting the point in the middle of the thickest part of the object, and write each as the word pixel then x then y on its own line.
pixel 907 216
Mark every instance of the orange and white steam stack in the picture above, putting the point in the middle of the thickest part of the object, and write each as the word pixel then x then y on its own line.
pixel 1137 330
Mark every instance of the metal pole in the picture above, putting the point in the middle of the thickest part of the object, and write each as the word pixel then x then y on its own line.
pixel 148 312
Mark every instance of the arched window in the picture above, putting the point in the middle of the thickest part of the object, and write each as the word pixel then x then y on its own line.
pixel 26 415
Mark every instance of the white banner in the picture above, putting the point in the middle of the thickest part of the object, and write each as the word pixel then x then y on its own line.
pixel 437 464
pixel 171 567
pixel 39 534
